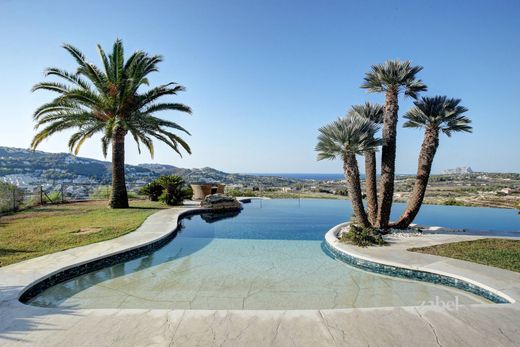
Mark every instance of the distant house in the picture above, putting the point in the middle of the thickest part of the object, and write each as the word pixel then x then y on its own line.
pixel 457 171
pixel 81 180
pixel 506 191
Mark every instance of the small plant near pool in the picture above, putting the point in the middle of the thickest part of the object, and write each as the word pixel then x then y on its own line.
pixel 171 190
pixel 362 236
pixel 153 190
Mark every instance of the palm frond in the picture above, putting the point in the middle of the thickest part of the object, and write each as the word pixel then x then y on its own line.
pixel 371 111
pixel 348 135
pixel 86 131
pixel 51 129
pixel 51 86
pixel 394 75
pixel 73 78
pixel 106 63
pixel 109 100
pixel 439 112
pixel 166 107
pixel 117 60
pixel 159 91
pixel 86 69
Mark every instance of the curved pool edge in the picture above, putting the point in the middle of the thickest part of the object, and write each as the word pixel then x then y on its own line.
pixel 472 325
pixel 20 281
pixel 131 252
pixel 158 228
pixel 360 258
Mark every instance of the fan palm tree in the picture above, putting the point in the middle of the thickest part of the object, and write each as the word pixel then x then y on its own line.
pixel 110 100
pixel 345 138
pixel 435 115
pixel 392 78
pixel 373 112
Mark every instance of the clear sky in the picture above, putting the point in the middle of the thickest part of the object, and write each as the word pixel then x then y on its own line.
pixel 263 75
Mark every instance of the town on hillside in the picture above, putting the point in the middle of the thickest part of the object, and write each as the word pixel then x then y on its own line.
pixel 78 178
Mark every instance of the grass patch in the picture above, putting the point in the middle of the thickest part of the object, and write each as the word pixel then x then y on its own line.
pixel 501 253
pixel 52 228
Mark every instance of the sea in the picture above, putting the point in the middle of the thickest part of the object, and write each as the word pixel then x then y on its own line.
pixel 305 176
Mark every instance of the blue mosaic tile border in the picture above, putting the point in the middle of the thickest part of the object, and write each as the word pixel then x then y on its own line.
pixel 98 264
pixel 417 275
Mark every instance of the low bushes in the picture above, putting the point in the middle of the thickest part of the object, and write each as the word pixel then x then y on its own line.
pixel 170 189
pixel 152 190
pixel 11 197
pixel 362 237
pixel 238 192
pixel 101 193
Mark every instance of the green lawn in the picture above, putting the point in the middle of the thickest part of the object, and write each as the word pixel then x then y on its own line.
pixel 47 229
pixel 501 253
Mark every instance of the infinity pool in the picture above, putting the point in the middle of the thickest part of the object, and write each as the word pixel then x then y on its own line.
pixel 269 256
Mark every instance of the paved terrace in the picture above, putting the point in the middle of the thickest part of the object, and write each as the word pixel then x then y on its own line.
pixel 470 325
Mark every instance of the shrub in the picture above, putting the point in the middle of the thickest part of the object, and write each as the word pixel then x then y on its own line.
pixel 101 193
pixel 362 237
pixel 234 192
pixel 133 195
pixel 175 190
pixel 453 202
pixel 342 192
pixel 53 197
pixel 104 192
pixel 239 192
pixel 11 197
pixel 153 190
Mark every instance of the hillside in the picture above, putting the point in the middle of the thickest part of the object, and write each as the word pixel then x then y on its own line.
pixel 26 168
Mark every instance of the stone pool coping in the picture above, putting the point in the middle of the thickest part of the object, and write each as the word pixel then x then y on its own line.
pixel 426 325
pixel 399 262
pixel 16 278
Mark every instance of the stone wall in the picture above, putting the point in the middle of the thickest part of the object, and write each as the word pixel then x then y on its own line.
pixel 200 191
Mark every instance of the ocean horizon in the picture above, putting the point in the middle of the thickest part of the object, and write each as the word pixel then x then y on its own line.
pixel 304 176
pixel 311 176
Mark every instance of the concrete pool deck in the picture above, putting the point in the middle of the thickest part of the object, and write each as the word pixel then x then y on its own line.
pixel 440 324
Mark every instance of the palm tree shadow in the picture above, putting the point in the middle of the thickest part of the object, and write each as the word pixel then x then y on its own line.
pixel 11 251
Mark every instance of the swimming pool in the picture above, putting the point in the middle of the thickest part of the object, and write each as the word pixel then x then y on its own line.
pixel 269 256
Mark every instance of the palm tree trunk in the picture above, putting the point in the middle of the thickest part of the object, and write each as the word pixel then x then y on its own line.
pixel 428 150
pixel 119 196
pixel 350 166
pixel 388 158
pixel 371 186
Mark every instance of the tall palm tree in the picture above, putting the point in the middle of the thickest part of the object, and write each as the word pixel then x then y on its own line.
pixel 392 78
pixel 345 138
pixel 435 115
pixel 110 100
pixel 373 112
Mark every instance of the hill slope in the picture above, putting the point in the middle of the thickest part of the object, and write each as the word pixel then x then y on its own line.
pixel 26 167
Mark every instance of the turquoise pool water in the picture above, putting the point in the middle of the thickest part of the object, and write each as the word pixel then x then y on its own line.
pixel 269 256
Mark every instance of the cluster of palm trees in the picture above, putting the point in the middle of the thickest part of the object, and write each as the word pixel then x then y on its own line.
pixel 357 134
pixel 110 101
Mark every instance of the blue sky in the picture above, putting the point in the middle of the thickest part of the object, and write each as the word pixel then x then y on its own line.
pixel 262 76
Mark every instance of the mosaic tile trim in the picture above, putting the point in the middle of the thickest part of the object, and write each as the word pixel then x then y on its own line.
pixel 417 275
pixel 107 261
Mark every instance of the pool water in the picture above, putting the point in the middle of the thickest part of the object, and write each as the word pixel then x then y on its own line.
pixel 269 256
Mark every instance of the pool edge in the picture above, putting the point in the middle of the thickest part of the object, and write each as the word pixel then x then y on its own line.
pixel 77 269
pixel 417 273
